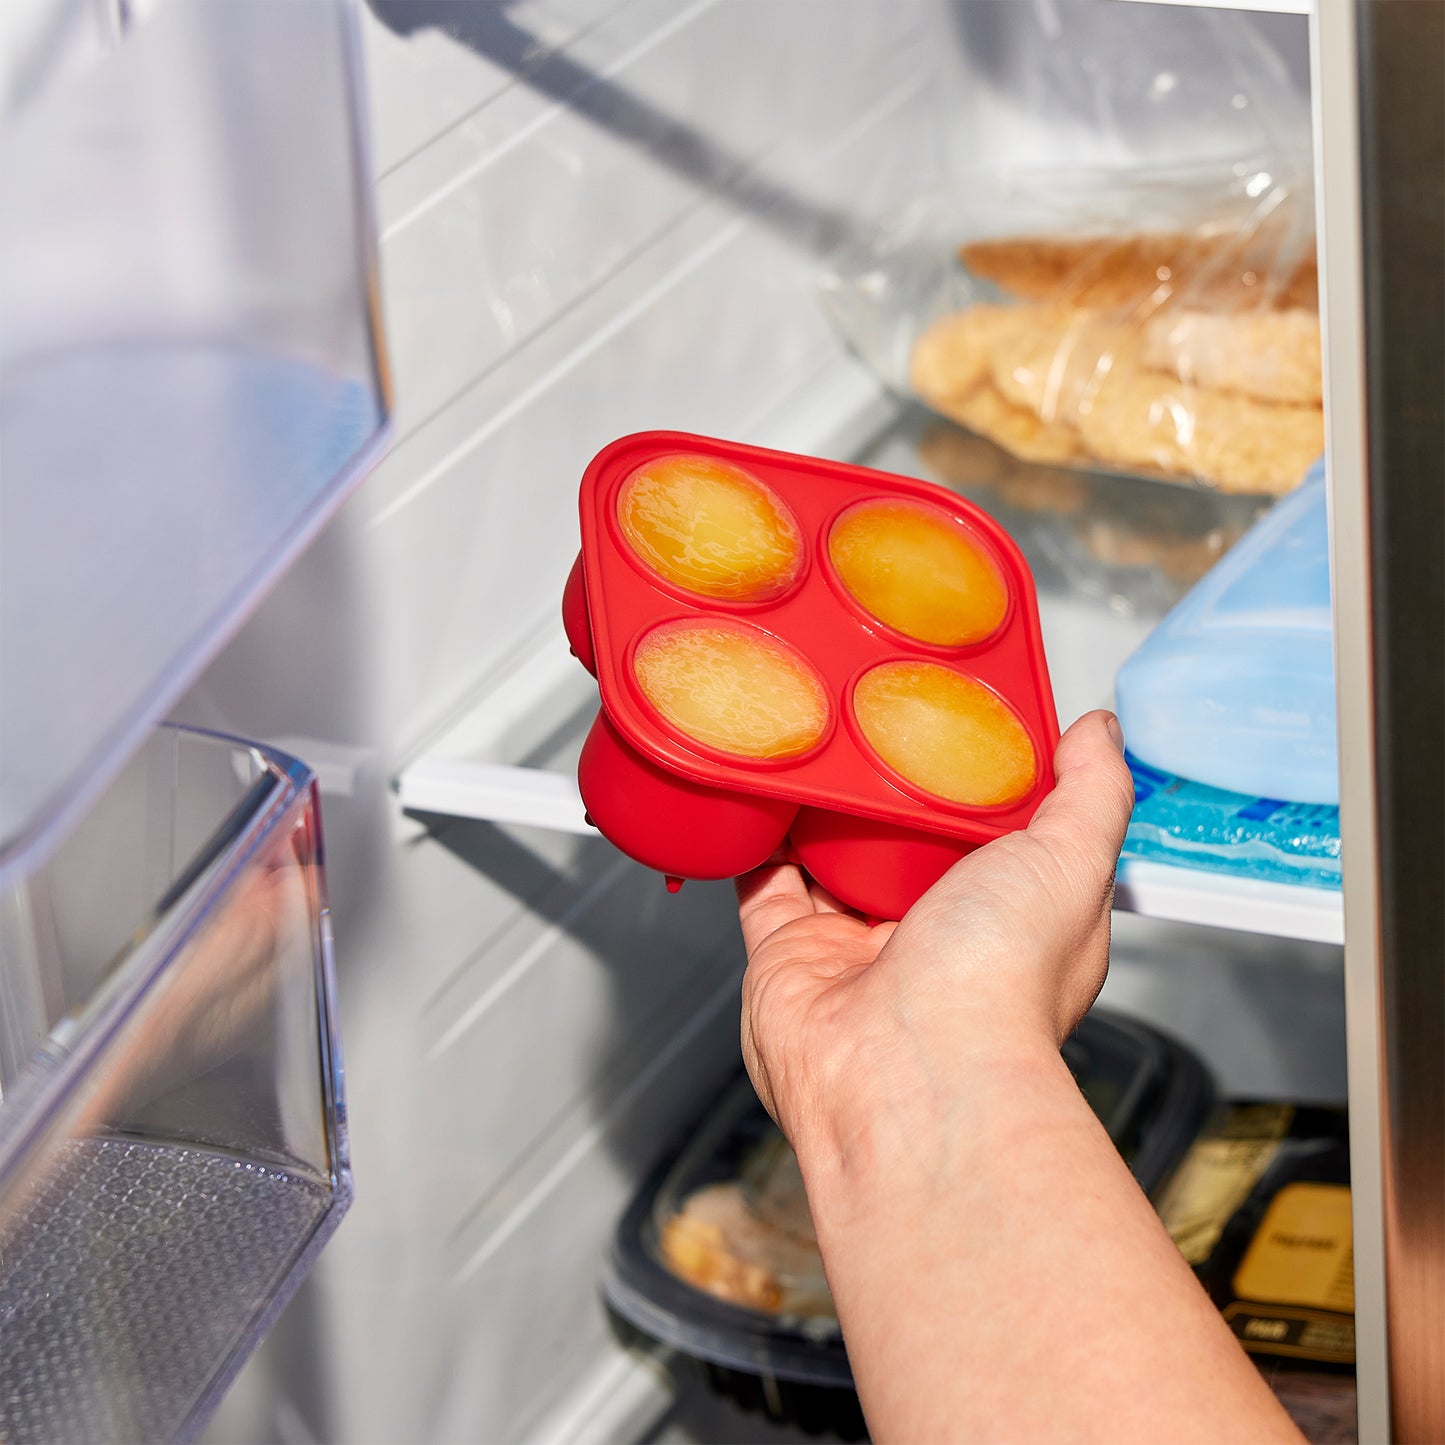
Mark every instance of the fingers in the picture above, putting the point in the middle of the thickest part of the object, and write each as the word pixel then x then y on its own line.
pixel 769 897
pixel 824 902
pixel 1088 811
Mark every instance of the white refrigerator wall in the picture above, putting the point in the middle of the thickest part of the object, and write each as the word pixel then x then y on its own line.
pixel 528 1019
pixel 624 237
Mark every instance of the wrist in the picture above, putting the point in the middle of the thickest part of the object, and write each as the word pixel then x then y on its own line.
pixel 909 1134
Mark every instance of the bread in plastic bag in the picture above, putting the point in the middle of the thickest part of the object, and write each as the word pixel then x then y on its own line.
pixel 1154 313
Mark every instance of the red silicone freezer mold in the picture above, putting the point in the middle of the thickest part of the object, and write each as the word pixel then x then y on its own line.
pixel 872 839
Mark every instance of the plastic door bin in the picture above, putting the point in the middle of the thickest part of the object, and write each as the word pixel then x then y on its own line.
pixel 191 369
pixel 172 1136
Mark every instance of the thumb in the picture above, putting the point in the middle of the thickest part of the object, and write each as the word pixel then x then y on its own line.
pixel 1088 811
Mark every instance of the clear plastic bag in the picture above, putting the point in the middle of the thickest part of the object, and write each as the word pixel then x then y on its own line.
pixel 1118 272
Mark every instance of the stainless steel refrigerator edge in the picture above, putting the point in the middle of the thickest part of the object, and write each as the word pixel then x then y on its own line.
pixel 1380 147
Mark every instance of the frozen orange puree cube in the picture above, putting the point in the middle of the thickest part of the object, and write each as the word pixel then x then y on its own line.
pixel 711 528
pixel 732 687
pixel 945 733
pixel 918 571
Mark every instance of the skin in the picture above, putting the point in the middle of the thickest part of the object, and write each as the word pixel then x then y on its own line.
pixel 998 1274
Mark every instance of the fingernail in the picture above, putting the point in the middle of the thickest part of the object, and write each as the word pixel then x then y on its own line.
pixel 1115 731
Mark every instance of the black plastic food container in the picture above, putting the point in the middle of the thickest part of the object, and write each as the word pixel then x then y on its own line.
pixel 728 1211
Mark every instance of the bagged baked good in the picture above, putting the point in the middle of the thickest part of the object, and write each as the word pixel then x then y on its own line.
pixel 1187 355
pixel 1101 252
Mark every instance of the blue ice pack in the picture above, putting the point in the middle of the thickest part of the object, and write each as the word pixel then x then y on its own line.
pixel 1236 686
pixel 1193 826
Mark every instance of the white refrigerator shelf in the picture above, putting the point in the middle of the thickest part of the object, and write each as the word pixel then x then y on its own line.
pixel 1217 900
pixel 466 774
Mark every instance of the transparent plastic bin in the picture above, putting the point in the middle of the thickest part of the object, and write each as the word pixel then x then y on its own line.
pixel 172 1133
pixel 191 369
pixel 1096 248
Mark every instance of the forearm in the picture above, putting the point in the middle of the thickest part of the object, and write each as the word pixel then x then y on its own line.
pixel 1000 1276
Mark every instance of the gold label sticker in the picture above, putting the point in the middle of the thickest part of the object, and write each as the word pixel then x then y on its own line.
pixel 1300 1334
pixel 1218 1174
pixel 1303 1251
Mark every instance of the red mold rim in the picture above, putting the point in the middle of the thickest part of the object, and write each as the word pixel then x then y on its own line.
pixel 624 548
pixel 874 623
pixel 935 800
pixel 706 750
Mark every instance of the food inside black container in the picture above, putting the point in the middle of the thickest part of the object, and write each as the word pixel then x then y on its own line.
pixel 716 1256
pixel 1261 1208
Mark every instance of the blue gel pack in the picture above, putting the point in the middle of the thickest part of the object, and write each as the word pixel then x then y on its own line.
pixel 1236 686
pixel 1192 825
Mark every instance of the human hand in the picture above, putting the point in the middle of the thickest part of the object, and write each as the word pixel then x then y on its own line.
pixel 998 1273
pixel 999 960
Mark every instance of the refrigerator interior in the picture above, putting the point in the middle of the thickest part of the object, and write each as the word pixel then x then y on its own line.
pixel 595 218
